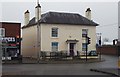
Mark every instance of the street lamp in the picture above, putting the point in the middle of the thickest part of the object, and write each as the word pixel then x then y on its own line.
pixel 99 39
pixel 99 43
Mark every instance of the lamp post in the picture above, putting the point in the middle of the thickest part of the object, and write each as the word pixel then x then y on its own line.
pixel 99 40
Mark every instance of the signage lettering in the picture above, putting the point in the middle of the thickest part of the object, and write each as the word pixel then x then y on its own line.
pixel 9 39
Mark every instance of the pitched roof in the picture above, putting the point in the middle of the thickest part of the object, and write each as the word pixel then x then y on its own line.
pixel 62 18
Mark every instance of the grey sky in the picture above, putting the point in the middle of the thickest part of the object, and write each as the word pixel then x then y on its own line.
pixel 104 13
pixel 119 21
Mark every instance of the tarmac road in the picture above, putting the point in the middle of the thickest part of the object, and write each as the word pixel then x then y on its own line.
pixel 62 69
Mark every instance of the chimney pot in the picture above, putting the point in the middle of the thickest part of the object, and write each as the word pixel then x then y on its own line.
pixel 88 9
pixel 27 12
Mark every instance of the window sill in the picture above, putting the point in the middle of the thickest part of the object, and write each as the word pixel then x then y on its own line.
pixel 54 37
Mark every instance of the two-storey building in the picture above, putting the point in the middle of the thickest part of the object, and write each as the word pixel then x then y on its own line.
pixel 57 31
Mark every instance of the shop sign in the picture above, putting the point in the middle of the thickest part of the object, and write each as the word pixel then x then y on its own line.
pixel 9 39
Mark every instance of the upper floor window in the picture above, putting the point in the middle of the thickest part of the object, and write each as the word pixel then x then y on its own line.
pixel 84 32
pixel 54 46
pixel 2 32
pixel 54 32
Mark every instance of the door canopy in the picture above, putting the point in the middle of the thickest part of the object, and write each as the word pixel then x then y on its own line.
pixel 71 41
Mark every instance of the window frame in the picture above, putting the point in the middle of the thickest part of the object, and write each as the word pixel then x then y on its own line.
pixel 54 45
pixel 84 46
pixel 55 34
pixel 84 32
pixel 2 32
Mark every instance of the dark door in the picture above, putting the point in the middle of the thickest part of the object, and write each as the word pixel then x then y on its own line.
pixel 71 49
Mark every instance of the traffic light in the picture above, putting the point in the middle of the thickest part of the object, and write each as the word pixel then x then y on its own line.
pixel 113 42
pixel 18 39
pixel 100 42
pixel 88 40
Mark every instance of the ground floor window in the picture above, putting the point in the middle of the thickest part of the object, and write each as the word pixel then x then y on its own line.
pixel 54 46
pixel 83 46
pixel 9 52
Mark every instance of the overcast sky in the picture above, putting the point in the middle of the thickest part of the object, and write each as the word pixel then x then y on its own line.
pixel 105 13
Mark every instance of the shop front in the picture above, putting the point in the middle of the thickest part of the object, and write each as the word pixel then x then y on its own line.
pixel 10 48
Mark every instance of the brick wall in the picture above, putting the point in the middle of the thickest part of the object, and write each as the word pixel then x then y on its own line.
pixel 108 49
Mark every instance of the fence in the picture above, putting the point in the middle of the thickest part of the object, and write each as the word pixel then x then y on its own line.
pixel 50 56
pixel 59 55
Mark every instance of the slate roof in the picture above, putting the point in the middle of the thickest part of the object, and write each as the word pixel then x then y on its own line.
pixel 62 18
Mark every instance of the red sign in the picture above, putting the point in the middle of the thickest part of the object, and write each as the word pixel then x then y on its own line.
pixel 12 44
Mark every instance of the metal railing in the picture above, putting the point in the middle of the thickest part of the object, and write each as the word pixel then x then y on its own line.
pixel 57 55
pixel 64 55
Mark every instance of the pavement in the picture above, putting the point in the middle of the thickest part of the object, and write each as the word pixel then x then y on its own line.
pixel 53 61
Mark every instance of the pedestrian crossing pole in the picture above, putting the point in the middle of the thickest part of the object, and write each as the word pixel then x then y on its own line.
pixel 86 46
pixel 100 46
pixel 87 43
pixel 86 49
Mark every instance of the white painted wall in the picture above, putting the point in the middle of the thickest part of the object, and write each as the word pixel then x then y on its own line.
pixel 64 31
pixel 29 45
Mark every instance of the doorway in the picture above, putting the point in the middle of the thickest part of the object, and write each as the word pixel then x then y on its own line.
pixel 71 46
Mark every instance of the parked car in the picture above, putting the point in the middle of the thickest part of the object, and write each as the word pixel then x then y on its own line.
pixel 84 52
pixel 90 54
